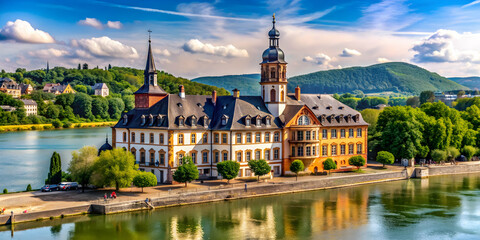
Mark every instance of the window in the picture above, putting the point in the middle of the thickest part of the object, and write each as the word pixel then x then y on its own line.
pixel 225 156
pixel 161 138
pixel 334 133
pixel 152 158
pixel 350 132
pixel 272 95
pixel 276 137
pixel 359 132
pixel 300 151
pixel 324 150
pixel 162 158
pixel 300 135
pixel 359 148
pixel 350 148
pixel 134 153
pixel 193 138
pixel 247 122
pixel 205 138
pixel 272 73
pixel 224 138
pixel 258 155
pixel 205 157
pixel 194 121
pixel 303 120
pixel 124 137
pixel 216 156
pixel 142 157
pixel 269 121
pixel 276 154
pixel 216 138
pixel 239 156
pixel 248 156
pixel 194 157
pixel 151 138
pixel 308 135
pixel 267 137
pixel 314 137
pixel 267 155
pixel 342 149
pixel 334 150
pixel 239 138
pixel 142 137
pixel 258 137
pixel 224 120
pixel 324 134
pixel 293 151
pixel 258 121
pixel 314 152
pixel 133 137
pixel 180 138
pixel 181 122
pixel 342 133
pixel 308 151
pixel 249 137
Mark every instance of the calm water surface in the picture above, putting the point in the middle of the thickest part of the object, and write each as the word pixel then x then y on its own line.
pixel 436 208
pixel 25 156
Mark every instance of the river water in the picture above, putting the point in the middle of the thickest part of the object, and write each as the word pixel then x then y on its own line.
pixel 444 207
pixel 25 156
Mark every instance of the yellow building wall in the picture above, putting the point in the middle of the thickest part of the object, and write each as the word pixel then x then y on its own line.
pixel 69 89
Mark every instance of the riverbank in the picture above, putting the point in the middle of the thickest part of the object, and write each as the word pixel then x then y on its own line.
pixel 74 203
pixel 49 126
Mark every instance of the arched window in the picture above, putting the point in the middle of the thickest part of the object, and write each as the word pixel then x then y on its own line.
pixel 303 120
pixel 272 73
pixel 272 95
pixel 282 98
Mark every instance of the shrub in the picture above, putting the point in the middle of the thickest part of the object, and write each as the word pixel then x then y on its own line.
pixel 357 161
pixel 296 167
pixel 260 167
pixel 438 155
pixel 385 157
pixel 452 153
pixel 56 123
pixel 67 125
pixel 145 179
pixel 468 152
pixel 329 164
pixel 29 188
pixel 186 172
pixel 228 169
pixel 5 191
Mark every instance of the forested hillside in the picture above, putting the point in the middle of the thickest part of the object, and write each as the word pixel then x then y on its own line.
pixel 471 82
pixel 246 83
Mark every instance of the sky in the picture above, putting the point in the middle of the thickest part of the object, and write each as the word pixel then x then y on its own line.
pixel 219 37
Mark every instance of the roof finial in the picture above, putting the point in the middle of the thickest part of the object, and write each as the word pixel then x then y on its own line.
pixel 149 37
pixel 106 140
pixel 273 19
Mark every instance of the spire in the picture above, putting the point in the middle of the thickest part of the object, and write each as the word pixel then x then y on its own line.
pixel 48 67
pixel 150 68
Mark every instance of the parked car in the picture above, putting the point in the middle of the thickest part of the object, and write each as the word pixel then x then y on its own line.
pixel 50 187
pixel 65 186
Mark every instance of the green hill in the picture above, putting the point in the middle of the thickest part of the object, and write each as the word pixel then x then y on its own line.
pixel 471 82
pixel 394 76
pixel 246 83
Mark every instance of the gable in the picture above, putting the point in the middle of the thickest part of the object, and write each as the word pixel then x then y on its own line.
pixel 305 110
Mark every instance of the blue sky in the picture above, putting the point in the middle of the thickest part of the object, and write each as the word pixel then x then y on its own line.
pixel 198 38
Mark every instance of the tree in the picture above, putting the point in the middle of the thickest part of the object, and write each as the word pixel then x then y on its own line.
pixel 85 66
pixel 55 173
pixel 114 168
pixel 81 166
pixel 385 158
pixel 228 169
pixel 186 172
pixel 452 153
pixel 413 101
pixel 109 66
pixel 359 93
pixel 329 164
pixel 438 155
pixel 260 167
pixel 82 105
pixel 29 188
pixel 357 161
pixel 79 66
pixel 100 107
pixel 145 179
pixel 468 152
pixel 81 88
pixel 297 166
pixel 427 96
pixel 115 107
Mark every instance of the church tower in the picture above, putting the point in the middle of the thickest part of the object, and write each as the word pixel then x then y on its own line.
pixel 274 74
pixel 150 93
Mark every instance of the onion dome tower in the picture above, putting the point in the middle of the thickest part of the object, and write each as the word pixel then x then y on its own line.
pixel 273 74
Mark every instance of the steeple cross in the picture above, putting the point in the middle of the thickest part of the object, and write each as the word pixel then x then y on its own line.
pixel 149 32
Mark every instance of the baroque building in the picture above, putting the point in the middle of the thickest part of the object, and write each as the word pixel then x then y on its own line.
pixel 277 126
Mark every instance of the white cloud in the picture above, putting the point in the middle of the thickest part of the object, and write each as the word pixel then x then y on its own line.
pixel 161 52
pixel 196 46
pixel 320 59
pixel 471 3
pixel 22 31
pixel 48 53
pixel 105 47
pixel 347 52
pixel 114 24
pixel 92 22
pixel 391 15
pixel 382 60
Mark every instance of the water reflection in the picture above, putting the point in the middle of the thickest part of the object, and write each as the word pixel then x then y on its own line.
pixel 436 208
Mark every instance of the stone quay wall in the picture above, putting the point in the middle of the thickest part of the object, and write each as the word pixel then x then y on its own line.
pixel 457 169
pixel 26 217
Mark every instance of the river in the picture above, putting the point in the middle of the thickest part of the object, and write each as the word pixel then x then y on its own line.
pixel 25 155
pixel 442 207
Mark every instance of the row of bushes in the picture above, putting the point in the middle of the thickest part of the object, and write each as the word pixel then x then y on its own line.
pixel 29 189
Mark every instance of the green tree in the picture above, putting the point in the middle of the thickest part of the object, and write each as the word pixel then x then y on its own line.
pixel 260 167
pixel 29 188
pixel 413 102
pixel 114 168
pixel 57 123
pixel 55 173
pixel 145 179
pixel 81 88
pixel 100 107
pixel 82 105
pixel 358 93
pixel 5 191
pixel 228 169
pixel 115 107
pixel 452 153
pixel 85 66
pixel 53 111
pixel 357 161
pixel 438 155
pixel 296 167
pixel 186 172
pixel 329 165
pixel 468 152
pixel 81 166
pixel 427 96
pixel 385 157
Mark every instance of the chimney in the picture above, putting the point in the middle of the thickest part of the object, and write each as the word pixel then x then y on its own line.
pixel 236 93
pixel 214 97
pixel 181 92
pixel 297 93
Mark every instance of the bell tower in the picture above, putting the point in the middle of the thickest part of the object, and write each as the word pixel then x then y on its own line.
pixel 273 80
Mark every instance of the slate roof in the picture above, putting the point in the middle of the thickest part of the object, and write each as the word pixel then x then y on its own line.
pixel 28 102
pixel 100 86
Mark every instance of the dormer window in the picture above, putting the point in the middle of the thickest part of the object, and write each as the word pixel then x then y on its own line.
pixel 268 121
pixel 247 121
pixel 125 119
pixel 329 107
pixel 193 121
pixel 224 120
pixel 258 121
pixel 151 119
pixel 159 120
pixel 205 121
pixel 143 120
pixel 181 121
pixel 303 120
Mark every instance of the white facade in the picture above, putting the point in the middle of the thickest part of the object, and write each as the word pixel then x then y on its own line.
pixel 30 107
